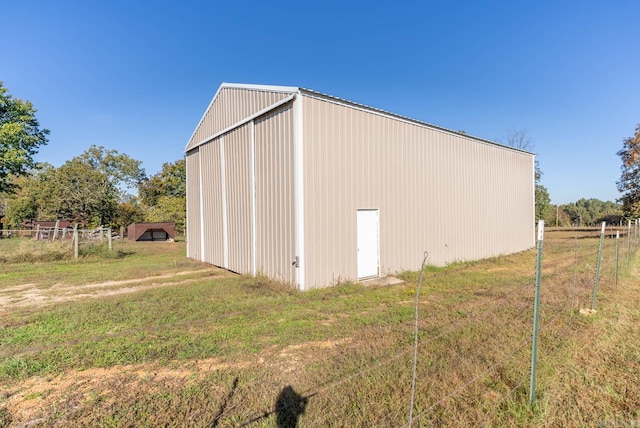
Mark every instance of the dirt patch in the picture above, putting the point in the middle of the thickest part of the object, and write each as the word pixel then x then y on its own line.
pixel 133 281
pixel 32 402
pixel 29 295
pixel 292 358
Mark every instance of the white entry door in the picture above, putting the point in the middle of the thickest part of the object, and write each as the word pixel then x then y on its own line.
pixel 368 243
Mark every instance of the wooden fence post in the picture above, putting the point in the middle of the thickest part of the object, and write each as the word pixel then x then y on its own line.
pixel 75 241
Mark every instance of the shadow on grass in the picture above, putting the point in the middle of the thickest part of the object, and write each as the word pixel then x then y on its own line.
pixel 225 403
pixel 289 406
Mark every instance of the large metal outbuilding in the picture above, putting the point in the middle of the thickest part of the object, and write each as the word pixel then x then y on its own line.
pixel 312 190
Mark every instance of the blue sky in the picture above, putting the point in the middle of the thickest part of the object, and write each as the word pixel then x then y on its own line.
pixel 136 76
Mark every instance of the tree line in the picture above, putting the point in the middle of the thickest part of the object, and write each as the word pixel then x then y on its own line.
pixel 584 212
pixel 629 184
pixel 92 189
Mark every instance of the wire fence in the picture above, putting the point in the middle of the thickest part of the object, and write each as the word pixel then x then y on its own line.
pixel 472 354
pixel 54 243
pixel 470 364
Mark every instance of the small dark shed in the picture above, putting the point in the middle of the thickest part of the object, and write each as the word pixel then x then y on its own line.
pixel 151 231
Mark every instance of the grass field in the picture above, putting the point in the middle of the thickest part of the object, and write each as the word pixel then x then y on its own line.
pixel 147 337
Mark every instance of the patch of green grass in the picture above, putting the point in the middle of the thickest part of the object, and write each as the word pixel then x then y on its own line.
pixel 129 260
pixel 200 320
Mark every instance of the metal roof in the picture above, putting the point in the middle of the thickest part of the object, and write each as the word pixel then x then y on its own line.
pixel 310 92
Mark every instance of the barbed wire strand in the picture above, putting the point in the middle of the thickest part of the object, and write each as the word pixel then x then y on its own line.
pixel 379 363
pixel 575 281
pixel 473 380
pixel 483 374
pixel 449 328
pixel 358 373
pixel 332 384
pixel 555 341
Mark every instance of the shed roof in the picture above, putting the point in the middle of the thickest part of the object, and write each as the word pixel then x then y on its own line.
pixel 136 230
pixel 294 90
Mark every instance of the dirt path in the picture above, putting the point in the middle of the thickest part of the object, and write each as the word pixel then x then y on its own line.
pixel 29 295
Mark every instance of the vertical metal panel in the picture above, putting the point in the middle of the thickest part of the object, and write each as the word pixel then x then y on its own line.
pixel 457 197
pixel 231 106
pixel 212 203
pixel 254 221
pixel 237 145
pixel 227 194
pixel 194 239
pixel 225 212
pixel 275 240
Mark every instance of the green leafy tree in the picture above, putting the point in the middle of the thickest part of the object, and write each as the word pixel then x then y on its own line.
pixel 21 210
pixel 170 181
pixel 4 205
pixel 25 201
pixel 81 193
pixel 88 188
pixel 590 212
pixel 163 195
pixel 128 213
pixel 168 209
pixel 119 169
pixel 559 216
pixel 629 184
pixel 543 203
pixel 578 213
pixel 20 138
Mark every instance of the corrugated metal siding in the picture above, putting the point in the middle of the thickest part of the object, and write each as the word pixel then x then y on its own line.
pixel 231 106
pixel 193 205
pixel 458 198
pixel 274 194
pixel 212 203
pixel 237 147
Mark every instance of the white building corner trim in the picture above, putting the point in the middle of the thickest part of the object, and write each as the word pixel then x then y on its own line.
pixel 298 179
pixel 254 218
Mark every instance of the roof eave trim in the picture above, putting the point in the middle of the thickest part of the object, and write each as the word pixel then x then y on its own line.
pixel 338 100
pixel 243 121
pixel 268 88
pixel 203 116
pixel 225 85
